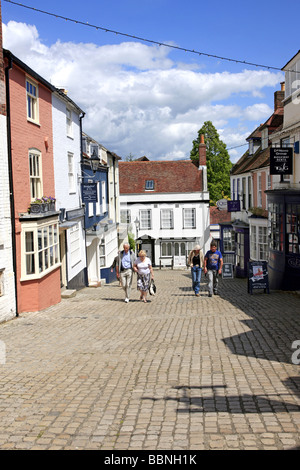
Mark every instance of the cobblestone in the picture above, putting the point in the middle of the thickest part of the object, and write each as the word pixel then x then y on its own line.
pixel 178 373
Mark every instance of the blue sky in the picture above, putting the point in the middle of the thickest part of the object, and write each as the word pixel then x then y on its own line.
pixel 144 99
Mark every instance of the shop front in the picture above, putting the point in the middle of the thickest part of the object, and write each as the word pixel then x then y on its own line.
pixel 284 238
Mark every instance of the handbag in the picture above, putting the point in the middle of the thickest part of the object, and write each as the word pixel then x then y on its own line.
pixel 152 288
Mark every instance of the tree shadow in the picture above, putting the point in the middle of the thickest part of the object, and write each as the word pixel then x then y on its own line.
pixel 221 402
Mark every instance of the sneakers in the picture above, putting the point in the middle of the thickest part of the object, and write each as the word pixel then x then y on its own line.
pixel 197 295
pixel 126 300
pixel 209 295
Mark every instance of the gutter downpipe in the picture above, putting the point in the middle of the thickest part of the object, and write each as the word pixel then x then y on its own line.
pixel 11 184
pixel 82 176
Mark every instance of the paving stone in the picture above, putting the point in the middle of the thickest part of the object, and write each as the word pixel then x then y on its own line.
pixel 178 373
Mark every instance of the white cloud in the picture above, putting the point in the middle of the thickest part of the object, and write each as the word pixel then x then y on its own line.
pixel 137 100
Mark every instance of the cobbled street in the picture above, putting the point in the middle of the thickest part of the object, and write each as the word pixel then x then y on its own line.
pixel 178 373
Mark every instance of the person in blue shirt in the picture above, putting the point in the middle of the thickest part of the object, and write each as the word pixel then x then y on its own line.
pixel 124 269
pixel 213 263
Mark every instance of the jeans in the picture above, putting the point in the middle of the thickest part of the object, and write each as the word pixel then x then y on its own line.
pixel 212 280
pixel 196 278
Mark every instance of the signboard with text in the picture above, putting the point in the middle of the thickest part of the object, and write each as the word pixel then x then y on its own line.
pixel 281 161
pixel 258 277
pixel 233 206
pixel 227 271
pixel 89 192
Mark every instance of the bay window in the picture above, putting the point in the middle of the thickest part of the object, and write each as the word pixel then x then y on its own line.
pixel 40 248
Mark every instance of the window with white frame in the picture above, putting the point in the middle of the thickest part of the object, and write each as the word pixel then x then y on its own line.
pixel 189 218
pixel 98 203
pixel 35 174
pixel 125 216
pixel 166 219
pixel 69 122
pixel 259 191
pixel 145 219
pixel 103 196
pixel 71 173
pixel 259 243
pixel 75 248
pixel 32 100
pixel 166 249
pixel 102 254
pixel 40 248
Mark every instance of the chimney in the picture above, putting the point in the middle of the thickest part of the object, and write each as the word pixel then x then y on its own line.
pixel 202 162
pixel 2 78
pixel 202 151
pixel 279 97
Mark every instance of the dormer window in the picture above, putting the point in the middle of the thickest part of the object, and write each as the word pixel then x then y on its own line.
pixel 149 185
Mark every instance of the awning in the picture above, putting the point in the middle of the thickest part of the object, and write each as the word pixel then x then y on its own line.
pixel 67 224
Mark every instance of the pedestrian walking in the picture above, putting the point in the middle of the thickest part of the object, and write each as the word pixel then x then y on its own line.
pixel 196 263
pixel 124 269
pixel 144 270
pixel 213 263
pixel 114 266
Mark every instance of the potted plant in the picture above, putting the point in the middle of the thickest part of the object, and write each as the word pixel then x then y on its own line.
pixel 50 202
pixel 36 206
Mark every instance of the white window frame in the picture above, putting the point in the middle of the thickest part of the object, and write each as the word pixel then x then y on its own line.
pixel 259 191
pixel 69 122
pixel 189 218
pixel 166 219
pixel 103 197
pixel 125 216
pixel 75 246
pixel 44 251
pixel 71 173
pixel 145 219
pixel 32 100
pixel 149 185
pixel 35 174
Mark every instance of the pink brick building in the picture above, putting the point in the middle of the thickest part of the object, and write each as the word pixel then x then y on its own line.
pixel 31 150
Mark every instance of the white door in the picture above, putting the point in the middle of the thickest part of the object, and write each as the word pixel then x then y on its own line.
pixel 147 247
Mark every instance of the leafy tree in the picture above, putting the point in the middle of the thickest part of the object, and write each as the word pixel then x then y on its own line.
pixel 217 161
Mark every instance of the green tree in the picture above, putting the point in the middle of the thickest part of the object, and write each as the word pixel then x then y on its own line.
pixel 217 161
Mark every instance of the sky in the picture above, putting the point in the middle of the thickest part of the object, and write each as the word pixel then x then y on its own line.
pixel 142 98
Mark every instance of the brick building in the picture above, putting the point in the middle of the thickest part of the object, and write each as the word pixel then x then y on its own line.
pixel 7 283
pixel 30 146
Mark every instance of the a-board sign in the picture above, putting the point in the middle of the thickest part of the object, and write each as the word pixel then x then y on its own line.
pixel 89 192
pixel 227 271
pixel 258 277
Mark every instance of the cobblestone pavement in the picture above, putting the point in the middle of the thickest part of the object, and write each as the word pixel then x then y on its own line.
pixel 178 373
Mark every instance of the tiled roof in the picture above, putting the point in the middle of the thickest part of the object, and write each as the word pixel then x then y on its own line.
pixel 180 176
pixel 259 159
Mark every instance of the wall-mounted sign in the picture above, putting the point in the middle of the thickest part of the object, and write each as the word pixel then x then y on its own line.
pixel 227 271
pixel 89 192
pixel 233 206
pixel 258 277
pixel 222 204
pixel 281 161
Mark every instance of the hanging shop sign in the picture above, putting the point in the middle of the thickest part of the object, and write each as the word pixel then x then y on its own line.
pixel 281 161
pixel 233 206
pixel 89 192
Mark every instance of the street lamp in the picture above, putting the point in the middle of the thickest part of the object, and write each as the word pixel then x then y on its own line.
pixel 137 225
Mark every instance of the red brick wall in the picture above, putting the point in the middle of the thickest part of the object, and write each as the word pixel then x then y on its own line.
pixel 41 293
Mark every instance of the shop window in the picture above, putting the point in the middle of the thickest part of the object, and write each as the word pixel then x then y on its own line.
pixel 276 226
pixel 293 228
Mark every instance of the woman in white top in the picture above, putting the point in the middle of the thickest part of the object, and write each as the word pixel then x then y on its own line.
pixel 143 268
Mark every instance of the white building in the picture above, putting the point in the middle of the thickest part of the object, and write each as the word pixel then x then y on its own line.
pixel 7 277
pixel 165 205
pixel 100 170
pixel 67 118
